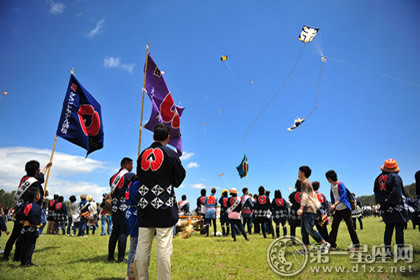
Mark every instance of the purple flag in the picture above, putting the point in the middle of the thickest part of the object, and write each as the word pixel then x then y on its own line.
pixel 164 109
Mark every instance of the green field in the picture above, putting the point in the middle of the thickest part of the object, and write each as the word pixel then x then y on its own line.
pixel 63 257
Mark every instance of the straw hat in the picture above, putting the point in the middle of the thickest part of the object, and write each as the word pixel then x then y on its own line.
pixel 390 165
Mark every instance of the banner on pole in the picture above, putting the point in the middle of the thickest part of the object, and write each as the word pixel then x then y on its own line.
pixel 164 109
pixel 81 120
pixel 243 167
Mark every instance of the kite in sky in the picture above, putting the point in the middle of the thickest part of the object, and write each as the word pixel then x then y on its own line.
pixel 224 58
pixel 297 122
pixel 5 92
pixel 308 34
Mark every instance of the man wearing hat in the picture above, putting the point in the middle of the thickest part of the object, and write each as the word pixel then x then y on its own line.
pixel 389 193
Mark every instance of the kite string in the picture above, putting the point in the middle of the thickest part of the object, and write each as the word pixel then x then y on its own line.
pixel 272 97
pixel 374 72
pixel 317 91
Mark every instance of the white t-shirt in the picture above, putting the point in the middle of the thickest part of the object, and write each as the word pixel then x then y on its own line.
pixel 340 205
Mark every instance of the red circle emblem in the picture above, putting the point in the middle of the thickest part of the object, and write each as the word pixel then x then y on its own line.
pixel 262 199
pixel 92 127
pixel 152 158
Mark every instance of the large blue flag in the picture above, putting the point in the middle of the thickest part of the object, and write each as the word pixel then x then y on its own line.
pixel 243 167
pixel 81 120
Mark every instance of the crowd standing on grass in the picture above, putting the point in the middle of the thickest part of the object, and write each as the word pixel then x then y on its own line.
pixel 143 205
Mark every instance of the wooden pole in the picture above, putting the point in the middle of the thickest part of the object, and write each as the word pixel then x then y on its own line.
pixel 142 98
pixel 49 169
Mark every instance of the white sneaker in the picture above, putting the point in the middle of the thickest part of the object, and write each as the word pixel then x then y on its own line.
pixel 325 248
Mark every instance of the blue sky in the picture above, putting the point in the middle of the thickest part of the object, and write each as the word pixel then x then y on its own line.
pixel 368 100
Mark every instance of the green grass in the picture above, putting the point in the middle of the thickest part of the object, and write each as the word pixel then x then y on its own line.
pixel 62 257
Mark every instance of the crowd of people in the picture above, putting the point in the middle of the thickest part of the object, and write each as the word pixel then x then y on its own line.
pixel 308 208
pixel 143 205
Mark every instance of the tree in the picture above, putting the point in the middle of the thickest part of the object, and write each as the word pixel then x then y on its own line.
pixel 7 199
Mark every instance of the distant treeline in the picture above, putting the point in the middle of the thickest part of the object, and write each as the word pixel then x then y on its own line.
pixel 367 200
pixel 6 199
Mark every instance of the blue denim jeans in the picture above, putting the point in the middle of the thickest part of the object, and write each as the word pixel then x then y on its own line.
pixel 104 221
pixel 43 220
pixel 131 252
pixel 82 227
pixel 308 222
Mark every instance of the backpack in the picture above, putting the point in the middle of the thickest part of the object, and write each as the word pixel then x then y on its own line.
pixel 351 199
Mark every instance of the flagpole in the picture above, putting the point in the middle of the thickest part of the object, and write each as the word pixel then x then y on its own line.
pixel 247 180
pixel 142 98
pixel 49 169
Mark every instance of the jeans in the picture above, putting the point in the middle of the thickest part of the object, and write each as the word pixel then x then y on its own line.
pixel 360 222
pixel 131 252
pixel 43 221
pixel 283 224
pixel 164 238
pixel 345 215
pixel 104 221
pixel 248 221
pixel 119 234
pixel 82 227
pixel 399 235
pixel 307 228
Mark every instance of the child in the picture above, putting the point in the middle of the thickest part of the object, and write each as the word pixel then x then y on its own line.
pixel 31 217
pixel 280 210
pixel 33 179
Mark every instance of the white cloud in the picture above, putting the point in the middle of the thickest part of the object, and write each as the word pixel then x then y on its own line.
pixel 186 155
pixel 193 165
pixel 203 186
pixel 198 186
pixel 56 8
pixel 65 166
pixel 114 62
pixel 97 29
